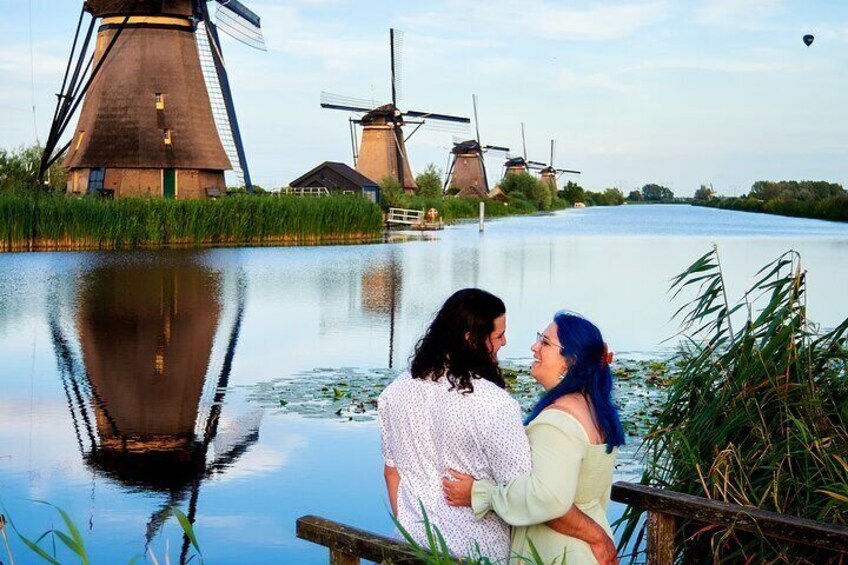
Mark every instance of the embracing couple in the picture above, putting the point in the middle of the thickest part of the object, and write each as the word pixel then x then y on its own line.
pixel 454 442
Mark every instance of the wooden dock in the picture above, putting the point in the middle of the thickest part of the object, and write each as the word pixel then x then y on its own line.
pixel 412 219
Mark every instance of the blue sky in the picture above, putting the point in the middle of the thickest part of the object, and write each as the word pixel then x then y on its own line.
pixel 679 93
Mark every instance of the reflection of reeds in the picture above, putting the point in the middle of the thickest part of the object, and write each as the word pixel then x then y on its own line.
pixel 55 222
pixel 755 416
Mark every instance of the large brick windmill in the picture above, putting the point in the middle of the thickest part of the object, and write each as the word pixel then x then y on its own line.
pixel 157 115
pixel 382 152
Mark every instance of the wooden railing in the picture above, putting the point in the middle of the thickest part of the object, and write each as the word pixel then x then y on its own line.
pixel 404 216
pixel 347 544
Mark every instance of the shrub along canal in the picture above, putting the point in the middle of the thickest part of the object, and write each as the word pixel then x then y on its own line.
pixel 239 384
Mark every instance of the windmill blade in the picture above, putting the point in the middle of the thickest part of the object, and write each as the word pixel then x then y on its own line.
pixel 433 116
pixel 221 98
pixel 236 20
pixel 562 171
pixel 476 119
pixel 347 103
pixel 553 149
pixel 523 141
pixel 345 108
pixel 342 100
pixel 453 128
pixel 496 148
pixel 396 49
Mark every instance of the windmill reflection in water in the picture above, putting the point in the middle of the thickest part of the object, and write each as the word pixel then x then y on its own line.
pixel 145 405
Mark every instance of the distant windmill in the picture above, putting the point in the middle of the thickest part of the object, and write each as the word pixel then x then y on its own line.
pixel 550 174
pixel 520 164
pixel 382 152
pixel 157 116
pixel 467 169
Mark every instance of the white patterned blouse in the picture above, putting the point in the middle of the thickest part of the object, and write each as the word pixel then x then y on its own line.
pixel 427 428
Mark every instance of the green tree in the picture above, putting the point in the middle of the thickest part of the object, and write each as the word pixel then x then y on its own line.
pixel 656 193
pixel 572 192
pixel 391 194
pixel 19 169
pixel 430 182
pixel 614 197
pixel 535 190
pixel 635 196
pixel 704 193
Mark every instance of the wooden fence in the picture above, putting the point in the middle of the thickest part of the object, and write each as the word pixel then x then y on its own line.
pixel 348 545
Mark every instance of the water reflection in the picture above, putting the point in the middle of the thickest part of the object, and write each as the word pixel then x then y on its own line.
pixel 136 388
pixel 381 289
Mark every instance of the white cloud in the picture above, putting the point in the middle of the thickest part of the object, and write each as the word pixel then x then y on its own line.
pixel 545 19
pixel 571 80
pixel 738 14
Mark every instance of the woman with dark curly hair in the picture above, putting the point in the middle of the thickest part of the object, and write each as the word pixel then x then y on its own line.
pixel 450 411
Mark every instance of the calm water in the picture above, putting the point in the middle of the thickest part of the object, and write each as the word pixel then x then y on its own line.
pixel 129 379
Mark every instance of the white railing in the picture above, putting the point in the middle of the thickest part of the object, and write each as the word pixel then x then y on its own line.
pixel 406 217
pixel 305 191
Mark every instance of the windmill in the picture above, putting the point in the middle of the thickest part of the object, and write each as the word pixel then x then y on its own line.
pixel 382 152
pixel 520 164
pixel 550 174
pixel 157 115
pixel 467 169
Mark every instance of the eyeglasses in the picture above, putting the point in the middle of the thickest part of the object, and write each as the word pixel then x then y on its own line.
pixel 543 339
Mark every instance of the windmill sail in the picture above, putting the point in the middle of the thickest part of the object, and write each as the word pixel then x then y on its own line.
pixel 236 20
pixel 219 106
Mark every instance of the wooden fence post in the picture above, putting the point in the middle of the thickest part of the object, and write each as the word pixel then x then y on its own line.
pixel 660 538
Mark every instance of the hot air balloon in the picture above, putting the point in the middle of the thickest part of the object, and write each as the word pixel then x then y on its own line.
pixel 808 39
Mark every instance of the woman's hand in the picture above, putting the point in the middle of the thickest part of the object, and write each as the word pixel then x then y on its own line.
pixel 457 488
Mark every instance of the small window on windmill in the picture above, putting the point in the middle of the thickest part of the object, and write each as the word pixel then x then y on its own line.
pixel 166 136
pixel 79 139
pixel 160 101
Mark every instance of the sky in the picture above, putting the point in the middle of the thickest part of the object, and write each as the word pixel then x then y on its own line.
pixel 680 93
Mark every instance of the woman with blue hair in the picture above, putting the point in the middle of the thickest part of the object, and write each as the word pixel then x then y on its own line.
pixel 574 432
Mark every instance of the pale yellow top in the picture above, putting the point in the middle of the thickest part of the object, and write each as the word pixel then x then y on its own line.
pixel 567 470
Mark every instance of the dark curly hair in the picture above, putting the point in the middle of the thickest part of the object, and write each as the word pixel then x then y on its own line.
pixel 456 345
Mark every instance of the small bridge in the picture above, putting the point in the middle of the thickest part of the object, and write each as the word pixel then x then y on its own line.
pixel 414 219
pixel 348 545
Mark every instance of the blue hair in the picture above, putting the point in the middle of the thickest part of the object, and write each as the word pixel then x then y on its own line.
pixel 588 373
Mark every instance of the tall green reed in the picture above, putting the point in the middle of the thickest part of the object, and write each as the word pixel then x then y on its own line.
pixel 756 412
pixel 72 542
pixel 33 221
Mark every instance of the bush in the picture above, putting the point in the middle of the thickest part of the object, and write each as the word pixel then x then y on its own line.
pixel 19 170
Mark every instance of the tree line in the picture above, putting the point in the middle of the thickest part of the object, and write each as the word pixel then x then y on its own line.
pixel 803 199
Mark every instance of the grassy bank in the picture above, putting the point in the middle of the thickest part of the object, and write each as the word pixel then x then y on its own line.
pixel 40 222
pixel 834 208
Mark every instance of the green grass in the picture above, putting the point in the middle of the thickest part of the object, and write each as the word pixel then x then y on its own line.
pixel 31 221
pixel 755 415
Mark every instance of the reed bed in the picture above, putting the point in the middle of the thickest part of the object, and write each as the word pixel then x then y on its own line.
pixel 756 413
pixel 44 222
